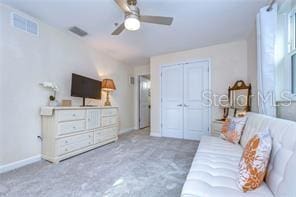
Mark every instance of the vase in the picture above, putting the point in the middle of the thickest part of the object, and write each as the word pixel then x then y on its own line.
pixel 53 103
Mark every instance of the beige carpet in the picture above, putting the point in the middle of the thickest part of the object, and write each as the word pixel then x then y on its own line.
pixel 136 165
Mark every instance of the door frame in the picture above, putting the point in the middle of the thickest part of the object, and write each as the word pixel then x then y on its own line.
pixel 139 102
pixel 209 82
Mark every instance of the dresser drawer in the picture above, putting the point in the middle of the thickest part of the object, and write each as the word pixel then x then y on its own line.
pixel 109 112
pixel 68 115
pixel 105 134
pixel 106 121
pixel 70 127
pixel 76 144
pixel 74 139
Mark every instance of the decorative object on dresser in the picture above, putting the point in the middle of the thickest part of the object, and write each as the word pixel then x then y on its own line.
pixel 66 103
pixel 108 86
pixel 54 88
pixel 68 131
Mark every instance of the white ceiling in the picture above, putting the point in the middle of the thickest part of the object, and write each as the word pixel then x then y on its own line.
pixel 197 23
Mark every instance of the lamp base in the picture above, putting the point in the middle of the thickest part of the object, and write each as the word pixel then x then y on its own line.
pixel 107 102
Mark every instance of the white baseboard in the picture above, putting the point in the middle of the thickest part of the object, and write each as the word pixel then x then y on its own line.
pixel 18 164
pixel 155 134
pixel 126 130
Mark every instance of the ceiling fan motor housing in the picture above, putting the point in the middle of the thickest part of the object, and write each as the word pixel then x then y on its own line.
pixel 134 11
pixel 132 2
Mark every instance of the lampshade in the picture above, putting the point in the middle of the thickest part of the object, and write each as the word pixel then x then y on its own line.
pixel 108 85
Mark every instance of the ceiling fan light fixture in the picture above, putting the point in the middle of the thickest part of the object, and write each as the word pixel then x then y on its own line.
pixel 132 23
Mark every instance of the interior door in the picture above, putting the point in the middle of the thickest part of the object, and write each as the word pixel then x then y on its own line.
pixel 144 119
pixel 172 101
pixel 196 113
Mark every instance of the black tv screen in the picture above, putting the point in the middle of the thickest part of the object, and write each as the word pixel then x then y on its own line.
pixel 85 87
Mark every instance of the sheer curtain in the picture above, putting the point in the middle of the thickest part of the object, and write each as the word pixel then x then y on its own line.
pixel 266 34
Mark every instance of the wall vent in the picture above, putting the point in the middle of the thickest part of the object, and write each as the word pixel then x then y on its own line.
pixel 24 24
pixel 78 31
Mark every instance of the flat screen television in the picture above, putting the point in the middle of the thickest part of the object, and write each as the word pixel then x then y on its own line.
pixel 85 87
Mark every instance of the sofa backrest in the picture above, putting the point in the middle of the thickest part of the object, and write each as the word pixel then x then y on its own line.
pixel 281 174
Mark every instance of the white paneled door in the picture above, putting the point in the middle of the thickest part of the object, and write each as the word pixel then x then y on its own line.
pixel 172 100
pixel 184 114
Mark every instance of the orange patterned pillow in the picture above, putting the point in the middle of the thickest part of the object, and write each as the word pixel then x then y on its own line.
pixel 253 164
pixel 232 129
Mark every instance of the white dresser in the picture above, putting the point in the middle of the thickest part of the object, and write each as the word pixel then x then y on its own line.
pixel 68 131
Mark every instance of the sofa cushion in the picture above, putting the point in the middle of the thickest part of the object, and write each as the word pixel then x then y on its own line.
pixel 214 171
pixel 253 164
pixel 281 173
pixel 232 129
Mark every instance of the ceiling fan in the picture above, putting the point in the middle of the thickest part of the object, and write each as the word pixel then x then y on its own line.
pixel 133 19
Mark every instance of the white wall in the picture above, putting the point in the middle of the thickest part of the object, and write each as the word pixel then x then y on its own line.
pixel 252 66
pixel 228 62
pixel 138 71
pixel 52 56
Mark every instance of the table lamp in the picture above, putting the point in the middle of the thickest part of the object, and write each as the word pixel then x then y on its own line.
pixel 108 86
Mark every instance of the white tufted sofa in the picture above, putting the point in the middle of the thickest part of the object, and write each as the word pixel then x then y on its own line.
pixel 214 170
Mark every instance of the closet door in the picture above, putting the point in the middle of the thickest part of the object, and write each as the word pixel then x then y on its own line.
pixel 196 114
pixel 172 101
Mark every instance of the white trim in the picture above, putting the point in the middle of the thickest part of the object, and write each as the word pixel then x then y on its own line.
pixel 155 134
pixel 18 164
pixel 209 60
pixel 122 131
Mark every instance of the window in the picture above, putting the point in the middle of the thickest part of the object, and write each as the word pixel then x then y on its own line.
pixel 293 67
pixel 292 48
pixel 292 31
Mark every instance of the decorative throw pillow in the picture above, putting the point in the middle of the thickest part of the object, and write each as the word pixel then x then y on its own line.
pixel 253 164
pixel 232 129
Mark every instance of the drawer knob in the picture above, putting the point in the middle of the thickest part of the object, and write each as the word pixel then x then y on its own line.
pixel 74 127
pixel 66 141
pixel 74 115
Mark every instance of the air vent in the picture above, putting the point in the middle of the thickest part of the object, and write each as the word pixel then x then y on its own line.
pixel 24 24
pixel 78 31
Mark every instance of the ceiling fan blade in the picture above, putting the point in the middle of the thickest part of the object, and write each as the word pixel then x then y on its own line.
pixel 123 5
pixel 118 30
pixel 161 20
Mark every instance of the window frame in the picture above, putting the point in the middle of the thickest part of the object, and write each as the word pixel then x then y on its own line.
pixel 291 34
pixel 292 31
pixel 292 71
